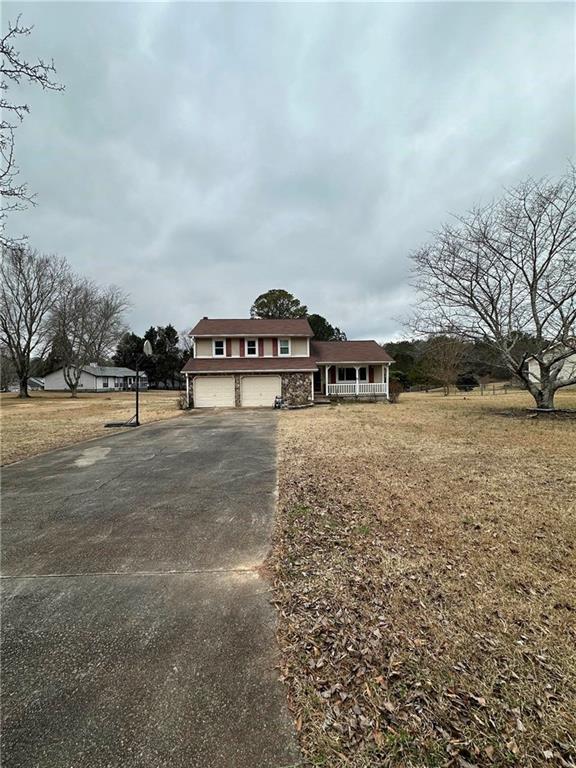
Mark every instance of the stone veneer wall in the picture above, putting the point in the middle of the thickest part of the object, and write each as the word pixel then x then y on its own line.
pixel 296 388
pixel 237 395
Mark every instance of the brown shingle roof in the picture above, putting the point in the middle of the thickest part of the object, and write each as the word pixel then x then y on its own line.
pixel 349 352
pixel 252 327
pixel 245 364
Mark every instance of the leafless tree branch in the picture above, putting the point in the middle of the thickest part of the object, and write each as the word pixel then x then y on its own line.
pixel 14 70
pixel 507 273
pixel 85 325
pixel 31 284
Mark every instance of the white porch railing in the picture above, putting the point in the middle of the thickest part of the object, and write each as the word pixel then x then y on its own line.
pixel 349 388
pixel 372 389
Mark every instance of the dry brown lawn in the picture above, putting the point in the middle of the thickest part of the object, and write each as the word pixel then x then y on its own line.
pixel 425 573
pixel 52 419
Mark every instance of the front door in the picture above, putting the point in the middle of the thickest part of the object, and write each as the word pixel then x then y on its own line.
pixel 317 381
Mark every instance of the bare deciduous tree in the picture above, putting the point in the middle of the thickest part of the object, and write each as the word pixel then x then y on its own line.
pixel 185 342
pixel 507 273
pixel 443 357
pixel 13 70
pixel 86 325
pixel 31 284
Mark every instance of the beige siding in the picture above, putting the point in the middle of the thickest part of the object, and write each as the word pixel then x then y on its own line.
pixel 378 374
pixel 203 347
pixel 299 347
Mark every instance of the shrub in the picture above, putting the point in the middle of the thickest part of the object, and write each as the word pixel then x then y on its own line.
pixel 466 382
pixel 395 390
pixel 182 402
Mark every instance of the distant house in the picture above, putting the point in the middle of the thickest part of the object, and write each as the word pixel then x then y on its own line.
pixel 568 370
pixel 34 384
pixel 97 378
pixel 248 363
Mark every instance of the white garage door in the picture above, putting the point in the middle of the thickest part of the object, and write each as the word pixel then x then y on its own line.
pixel 214 391
pixel 260 390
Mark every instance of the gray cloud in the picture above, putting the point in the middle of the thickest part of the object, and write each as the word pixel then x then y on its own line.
pixel 203 153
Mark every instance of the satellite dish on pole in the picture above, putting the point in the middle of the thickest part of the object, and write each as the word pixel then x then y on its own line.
pixel 147 348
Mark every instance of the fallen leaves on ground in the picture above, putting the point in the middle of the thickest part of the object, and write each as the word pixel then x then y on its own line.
pixel 424 574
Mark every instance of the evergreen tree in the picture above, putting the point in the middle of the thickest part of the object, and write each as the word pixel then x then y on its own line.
pixel 129 351
pixel 277 303
pixel 323 331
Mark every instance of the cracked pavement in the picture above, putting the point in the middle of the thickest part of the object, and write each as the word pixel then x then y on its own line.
pixel 137 630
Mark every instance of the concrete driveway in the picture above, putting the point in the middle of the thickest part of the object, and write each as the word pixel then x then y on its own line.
pixel 136 630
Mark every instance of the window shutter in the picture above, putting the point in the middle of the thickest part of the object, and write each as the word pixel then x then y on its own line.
pixel 274 347
pixel 371 374
pixel 228 347
pixel 242 347
pixel 333 375
pixel 261 347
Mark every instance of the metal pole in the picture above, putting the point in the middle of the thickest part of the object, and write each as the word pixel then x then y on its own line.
pixel 137 392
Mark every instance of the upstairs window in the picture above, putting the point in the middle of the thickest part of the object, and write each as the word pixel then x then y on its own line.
pixel 283 346
pixel 219 348
pixel 251 348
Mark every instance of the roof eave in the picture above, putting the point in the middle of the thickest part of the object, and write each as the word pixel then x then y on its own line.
pixel 354 362
pixel 253 370
pixel 249 335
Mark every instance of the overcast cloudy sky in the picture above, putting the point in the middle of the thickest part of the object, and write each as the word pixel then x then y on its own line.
pixel 203 153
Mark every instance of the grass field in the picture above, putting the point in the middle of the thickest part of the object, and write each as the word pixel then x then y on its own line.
pixel 424 568
pixel 52 419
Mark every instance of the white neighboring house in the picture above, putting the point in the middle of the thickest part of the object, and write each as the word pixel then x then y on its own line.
pixel 97 378
pixel 568 370
pixel 35 383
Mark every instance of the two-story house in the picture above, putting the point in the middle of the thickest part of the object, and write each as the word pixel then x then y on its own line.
pixel 248 363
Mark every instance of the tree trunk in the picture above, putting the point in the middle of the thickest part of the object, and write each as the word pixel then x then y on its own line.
pixel 74 391
pixel 544 395
pixel 24 387
pixel 545 398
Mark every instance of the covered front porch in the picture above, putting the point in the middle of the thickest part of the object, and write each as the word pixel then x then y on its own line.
pixel 352 379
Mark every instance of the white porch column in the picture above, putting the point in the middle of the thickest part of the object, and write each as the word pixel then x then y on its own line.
pixel 357 367
pixel 326 369
pixel 387 378
pixel 187 391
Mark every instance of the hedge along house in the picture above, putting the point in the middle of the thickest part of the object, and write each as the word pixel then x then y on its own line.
pixel 248 363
